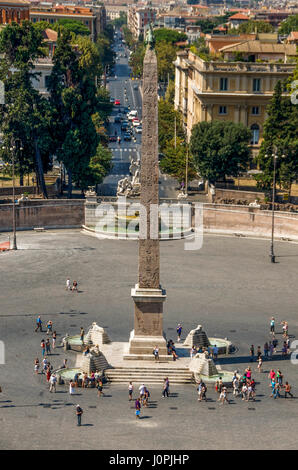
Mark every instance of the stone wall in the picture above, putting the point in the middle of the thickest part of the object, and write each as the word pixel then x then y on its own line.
pixel 52 189
pixel 219 218
pixel 49 213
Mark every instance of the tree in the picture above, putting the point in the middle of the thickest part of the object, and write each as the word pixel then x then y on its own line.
pixel 166 124
pixel 280 135
pixel 72 26
pixel 25 116
pixel 166 54
pixel 170 92
pixel 288 25
pixel 171 36
pixel 137 58
pixel 174 161
pixel 75 103
pixel 121 21
pixel 252 26
pixel 220 149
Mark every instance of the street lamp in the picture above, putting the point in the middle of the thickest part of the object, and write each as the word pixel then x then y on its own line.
pixel 13 148
pixel 275 157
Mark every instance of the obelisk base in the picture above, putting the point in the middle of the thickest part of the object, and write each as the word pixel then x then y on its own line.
pixel 148 332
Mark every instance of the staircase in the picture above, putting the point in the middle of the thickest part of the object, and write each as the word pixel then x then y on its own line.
pixel 149 375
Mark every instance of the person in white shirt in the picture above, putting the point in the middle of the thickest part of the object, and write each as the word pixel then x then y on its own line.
pixel 68 284
pixel 53 381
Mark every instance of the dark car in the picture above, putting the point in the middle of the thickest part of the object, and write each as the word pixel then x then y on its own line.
pixel 117 120
pixel 113 138
pixel 127 136
pixel 124 127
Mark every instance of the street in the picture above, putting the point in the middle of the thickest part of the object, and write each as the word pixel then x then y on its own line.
pixel 127 91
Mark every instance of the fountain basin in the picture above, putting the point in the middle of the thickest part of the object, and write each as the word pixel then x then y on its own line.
pixel 224 374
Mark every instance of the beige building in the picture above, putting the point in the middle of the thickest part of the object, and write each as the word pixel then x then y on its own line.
pixel 138 20
pixel 113 11
pixel 229 91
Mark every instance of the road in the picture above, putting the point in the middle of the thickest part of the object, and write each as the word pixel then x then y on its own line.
pixel 123 88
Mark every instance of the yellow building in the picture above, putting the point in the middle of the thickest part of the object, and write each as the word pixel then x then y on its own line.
pixel 229 91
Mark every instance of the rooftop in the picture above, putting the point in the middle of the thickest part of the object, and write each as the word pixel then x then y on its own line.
pixel 260 47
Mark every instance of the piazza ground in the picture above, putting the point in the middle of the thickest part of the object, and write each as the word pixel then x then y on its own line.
pixel 229 286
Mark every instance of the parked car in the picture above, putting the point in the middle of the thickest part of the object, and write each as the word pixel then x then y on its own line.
pixel 127 136
pixel 112 100
pixel 117 120
pixel 139 129
pixel 136 123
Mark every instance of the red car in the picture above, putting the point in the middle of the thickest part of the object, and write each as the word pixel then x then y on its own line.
pixel 117 102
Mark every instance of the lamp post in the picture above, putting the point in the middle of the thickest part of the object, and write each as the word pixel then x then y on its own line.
pixel 13 148
pixel 275 157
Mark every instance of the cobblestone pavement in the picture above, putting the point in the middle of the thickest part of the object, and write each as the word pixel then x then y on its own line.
pixel 229 286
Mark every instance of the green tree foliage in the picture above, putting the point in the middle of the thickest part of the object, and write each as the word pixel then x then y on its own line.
pixel 171 36
pixel 137 58
pixel 72 26
pixel 289 25
pixel 166 124
pixel 220 149
pixel 170 92
pixel 253 25
pixel 280 136
pixel 25 117
pixel 128 37
pixel 74 102
pixel 166 54
pixel 175 160
pixel 207 25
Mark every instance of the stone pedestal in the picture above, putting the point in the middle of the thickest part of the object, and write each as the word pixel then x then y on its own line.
pixel 148 323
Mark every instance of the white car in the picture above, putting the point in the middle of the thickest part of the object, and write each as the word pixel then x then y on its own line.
pixel 133 113
pixel 136 123
pixel 139 129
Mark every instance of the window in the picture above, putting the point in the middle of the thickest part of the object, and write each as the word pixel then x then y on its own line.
pixel 256 86
pixel 222 110
pixel 255 110
pixel 223 84
pixel 255 134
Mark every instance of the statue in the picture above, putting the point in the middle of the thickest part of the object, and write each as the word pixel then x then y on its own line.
pixel 150 39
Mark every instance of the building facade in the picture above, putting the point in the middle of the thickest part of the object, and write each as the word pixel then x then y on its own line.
pixel 229 91
pixel 14 10
pixel 138 20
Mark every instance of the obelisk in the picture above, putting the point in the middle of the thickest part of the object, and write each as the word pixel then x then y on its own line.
pixel 148 296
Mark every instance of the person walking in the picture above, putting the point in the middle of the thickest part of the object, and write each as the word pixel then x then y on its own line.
pixel 193 352
pixel 252 353
pixel 142 391
pixel 75 286
pixel 48 374
pixel 53 381
pixel 68 286
pixel 43 347
pixel 244 392
pixel 48 346
pixel 215 352
pixel 38 324
pixel 130 391
pixel 71 387
pixel 279 377
pixel 235 381
pixel 138 408
pixel 272 325
pixel 54 339
pixel 259 352
pixel 266 350
pixel 287 388
pixel 82 334
pixel 271 349
pixel 166 388
pixel 156 353
pixel 36 365
pixel 99 388
pixel 49 327
pixel 276 390
pixel 79 412
pixel 223 396
pixel 44 365
pixel 179 331
pixel 260 363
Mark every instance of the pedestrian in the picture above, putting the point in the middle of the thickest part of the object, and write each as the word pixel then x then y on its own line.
pixel 244 392
pixel 44 365
pixel 272 326
pixel 43 347
pixel 71 387
pixel 138 408
pixel 193 352
pixel 276 390
pixel 75 286
pixel 54 338
pixel 48 346
pixel 235 382
pixel 130 391
pixel 146 397
pixel 156 353
pixel 36 365
pixel 204 391
pixel 166 388
pixel 68 287
pixel 49 327
pixel 82 334
pixel 274 343
pixel 260 363
pixel 215 352
pixel 79 412
pixel 287 388
pixel 142 391
pixel 252 353
pixel 53 381
pixel 48 374
pixel 266 350
pixel 38 324
pixel 284 351
pixel 99 388
pixel 250 393
pixel 179 331
pixel 174 354
pixel 285 328
pixel 271 349
pixel 223 396
pixel 279 377
pixel 259 352
pixel 64 365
